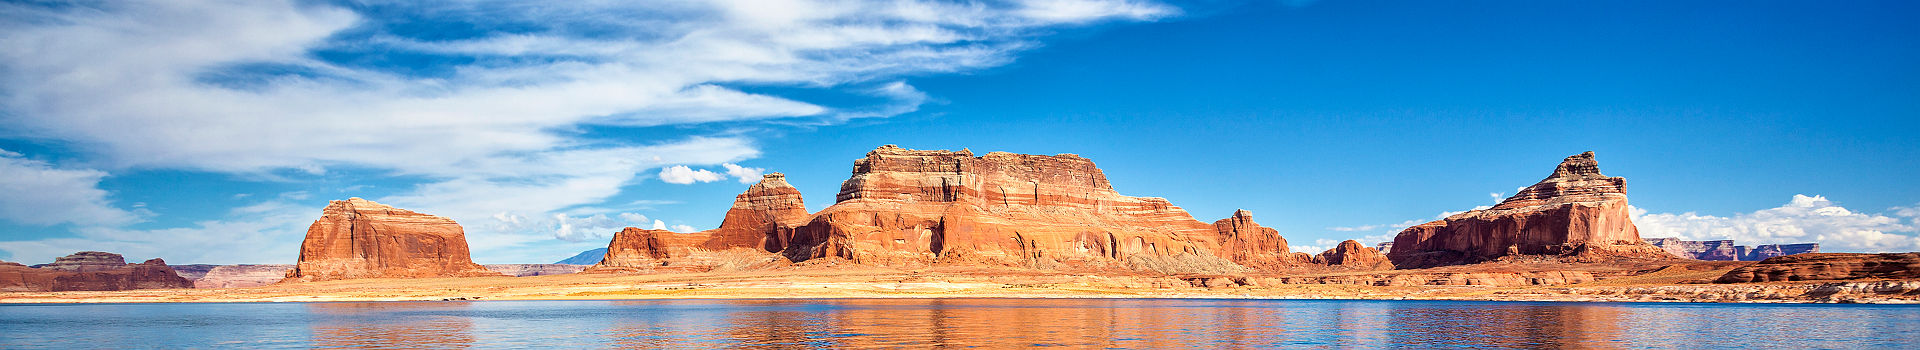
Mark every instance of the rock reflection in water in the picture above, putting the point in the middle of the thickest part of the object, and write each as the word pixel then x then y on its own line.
pixel 979 323
pixel 412 325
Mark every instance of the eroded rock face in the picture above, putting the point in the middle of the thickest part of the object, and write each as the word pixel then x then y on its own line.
pixel 1247 243
pixel 1827 266
pixel 87 262
pixel 1350 254
pixel 1576 213
pixel 358 238
pixel 643 250
pixel 760 222
pixel 86 271
pixel 912 208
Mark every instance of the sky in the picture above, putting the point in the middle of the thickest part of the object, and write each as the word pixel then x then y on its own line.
pixel 208 131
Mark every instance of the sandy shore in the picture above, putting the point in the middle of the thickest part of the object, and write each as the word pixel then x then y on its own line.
pixel 870 282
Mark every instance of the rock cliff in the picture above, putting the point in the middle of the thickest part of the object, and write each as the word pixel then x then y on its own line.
pixel 1350 254
pixel 1247 243
pixel 760 222
pixel 1575 214
pixel 358 238
pixel 906 207
pixel 1766 251
pixel 90 271
pixel 1827 266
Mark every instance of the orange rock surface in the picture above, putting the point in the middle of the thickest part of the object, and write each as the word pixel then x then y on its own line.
pixel 760 222
pixel 1575 213
pixel 1247 243
pixel 911 207
pixel 358 238
pixel 1351 254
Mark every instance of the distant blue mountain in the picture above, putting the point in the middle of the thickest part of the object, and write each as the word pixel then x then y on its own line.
pixel 589 257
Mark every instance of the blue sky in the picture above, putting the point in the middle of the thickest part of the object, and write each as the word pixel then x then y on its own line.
pixel 213 131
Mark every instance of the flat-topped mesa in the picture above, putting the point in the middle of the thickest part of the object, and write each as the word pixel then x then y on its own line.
pixel 1575 214
pixel 90 271
pixel 1247 243
pixel 915 207
pixel 761 221
pixel 358 238
pixel 87 262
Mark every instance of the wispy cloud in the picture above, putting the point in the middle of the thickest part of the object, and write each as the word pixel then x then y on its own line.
pixel 37 193
pixel 491 114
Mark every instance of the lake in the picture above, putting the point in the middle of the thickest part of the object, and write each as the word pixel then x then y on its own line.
pixel 994 323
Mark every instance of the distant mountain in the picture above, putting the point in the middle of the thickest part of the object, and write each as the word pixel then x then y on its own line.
pixel 589 257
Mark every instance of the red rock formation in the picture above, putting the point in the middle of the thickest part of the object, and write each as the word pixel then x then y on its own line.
pixel 762 220
pixel 87 271
pixel 1577 213
pixel 912 208
pixel 1351 254
pixel 1827 266
pixel 762 217
pixel 358 238
pixel 1247 243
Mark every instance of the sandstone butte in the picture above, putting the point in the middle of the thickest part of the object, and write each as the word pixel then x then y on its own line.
pixel 1575 215
pixel 90 271
pixel 358 238
pixel 913 208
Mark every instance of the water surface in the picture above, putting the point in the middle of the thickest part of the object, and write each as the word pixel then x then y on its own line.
pixel 995 323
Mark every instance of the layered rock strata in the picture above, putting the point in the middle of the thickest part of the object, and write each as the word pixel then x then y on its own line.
pixel 358 238
pixel 913 208
pixel 88 271
pixel 1575 214
pixel 1828 266
pixel 1247 243
pixel 1350 254
pixel 762 220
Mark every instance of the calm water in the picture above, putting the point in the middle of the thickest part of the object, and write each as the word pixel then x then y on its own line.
pixel 863 323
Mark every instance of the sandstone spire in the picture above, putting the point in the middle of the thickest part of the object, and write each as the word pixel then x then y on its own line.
pixel 1576 213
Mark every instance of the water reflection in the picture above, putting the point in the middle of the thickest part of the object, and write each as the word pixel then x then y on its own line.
pixel 413 325
pixel 944 323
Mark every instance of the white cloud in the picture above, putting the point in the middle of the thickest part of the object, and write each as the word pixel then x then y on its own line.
pixel 597 226
pixel 744 174
pixel 681 174
pixel 659 225
pixel 683 228
pixel 266 232
pixel 37 193
pixel 1803 219
pixel 236 86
